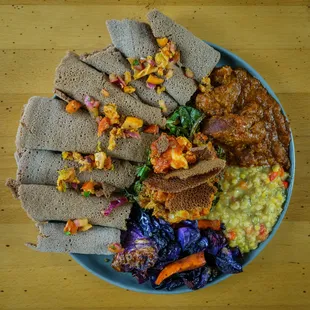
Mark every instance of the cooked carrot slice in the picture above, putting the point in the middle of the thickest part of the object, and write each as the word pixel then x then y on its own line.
pixel 204 224
pixel 187 263
pixel 104 124
pixel 153 79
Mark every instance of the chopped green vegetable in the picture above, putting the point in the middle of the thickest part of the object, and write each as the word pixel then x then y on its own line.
pixel 184 121
pixel 220 152
pixel 86 194
pixel 136 62
pixel 143 172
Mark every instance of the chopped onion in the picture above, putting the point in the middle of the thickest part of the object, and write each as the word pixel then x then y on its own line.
pixel 150 85
pixel 114 204
pixel 132 134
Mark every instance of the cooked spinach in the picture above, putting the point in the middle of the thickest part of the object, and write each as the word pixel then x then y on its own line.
pixel 184 121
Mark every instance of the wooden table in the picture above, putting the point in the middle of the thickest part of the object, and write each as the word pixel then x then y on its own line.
pixel 273 36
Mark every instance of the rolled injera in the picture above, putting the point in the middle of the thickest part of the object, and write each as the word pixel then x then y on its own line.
pixel 76 79
pixel 135 39
pixel 45 125
pixel 200 57
pixel 51 238
pixel 110 60
pixel 40 167
pixel 46 203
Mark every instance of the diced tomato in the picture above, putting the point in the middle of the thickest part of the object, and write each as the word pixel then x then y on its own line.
pixel 104 124
pixel 262 232
pixel 273 175
pixel 285 184
pixel 154 129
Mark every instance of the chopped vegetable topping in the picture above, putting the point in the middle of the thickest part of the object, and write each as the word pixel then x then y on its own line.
pixel 129 89
pixel 154 129
pixel 111 113
pixel 162 41
pixel 92 106
pixel 65 176
pixel 189 73
pixel 88 188
pixel 100 159
pixel 132 123
pixel 184 264
pixel 114 204
pixel 103 125
pixel 160 89
pixel 73 106
pixel 163 105
pixel 72 227
pixel 105 93
pixel 153 79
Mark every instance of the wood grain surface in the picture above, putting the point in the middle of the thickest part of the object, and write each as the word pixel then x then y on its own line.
pixel 273 36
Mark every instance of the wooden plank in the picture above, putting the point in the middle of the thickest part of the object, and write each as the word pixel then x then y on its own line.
pixel 33 70
pixel 73 27
pixel 152 3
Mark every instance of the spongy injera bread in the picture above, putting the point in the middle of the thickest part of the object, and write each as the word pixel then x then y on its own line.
pixel 110 60
pixel 200 57
pixel 174 185
pixel 46 203
pixel 45 125
pixel 135 39
pixel 205 152
pixel 51 238
pixel 40 167
pixel 132 38
pixel 77 79
pixel 201 168
pixel 190 199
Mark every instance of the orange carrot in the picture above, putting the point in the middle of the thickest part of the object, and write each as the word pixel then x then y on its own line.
pixel 72 106
pixel 70 228
pixel 154 129
pixel 184 264
pixel 204 224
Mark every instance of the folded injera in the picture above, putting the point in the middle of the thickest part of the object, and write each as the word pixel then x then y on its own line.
pixel 135 39
pixel 76 79
pixel 51 238
pixel 46 203
pixel 45 125
pixel 110 60
pixel 40 167
pixel 200 57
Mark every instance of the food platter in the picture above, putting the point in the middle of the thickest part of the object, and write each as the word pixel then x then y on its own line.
pixel 100 265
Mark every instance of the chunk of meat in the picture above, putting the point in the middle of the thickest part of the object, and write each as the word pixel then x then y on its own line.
pixel 235 129
pixel 220 100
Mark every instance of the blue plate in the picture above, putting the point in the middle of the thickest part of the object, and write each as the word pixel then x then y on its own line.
pixel 100 265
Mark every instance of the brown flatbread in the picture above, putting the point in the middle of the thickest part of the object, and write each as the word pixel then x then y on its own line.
pixel 200 197
pixel 51 238
pixel 210 167
pixel 174 185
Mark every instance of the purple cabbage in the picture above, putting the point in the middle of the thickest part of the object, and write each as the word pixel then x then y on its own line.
pixel 216 241
pixel 187 236
pixel 226 263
